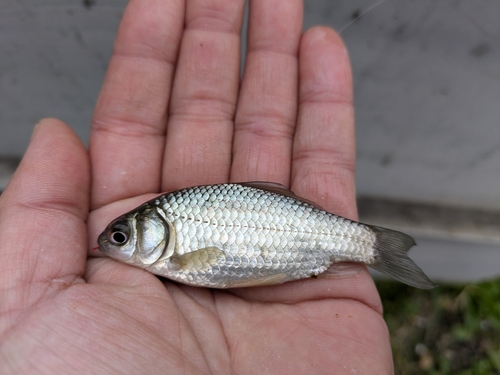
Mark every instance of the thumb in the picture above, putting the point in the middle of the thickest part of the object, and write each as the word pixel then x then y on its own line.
pixel 42 217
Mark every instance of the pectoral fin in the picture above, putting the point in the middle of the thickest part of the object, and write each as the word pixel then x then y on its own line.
pixel 199 259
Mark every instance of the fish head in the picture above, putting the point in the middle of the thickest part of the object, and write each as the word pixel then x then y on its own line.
pixel 138 238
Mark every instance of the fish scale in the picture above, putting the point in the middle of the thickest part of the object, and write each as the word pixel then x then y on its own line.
pixel 235 235
pixel 259 231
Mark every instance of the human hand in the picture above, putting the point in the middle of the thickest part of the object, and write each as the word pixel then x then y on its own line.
pixel 176 73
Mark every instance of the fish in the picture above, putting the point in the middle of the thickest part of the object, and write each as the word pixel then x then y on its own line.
pixel 250 234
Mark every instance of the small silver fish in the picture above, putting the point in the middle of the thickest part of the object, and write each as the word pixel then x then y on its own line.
pixel 250 234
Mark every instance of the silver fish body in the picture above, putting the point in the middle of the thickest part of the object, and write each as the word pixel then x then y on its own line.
pixel 253 234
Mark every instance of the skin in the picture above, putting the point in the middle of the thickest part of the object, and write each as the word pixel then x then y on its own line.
pixel 173 113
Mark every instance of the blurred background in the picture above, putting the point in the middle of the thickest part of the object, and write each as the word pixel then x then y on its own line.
pixel 427 87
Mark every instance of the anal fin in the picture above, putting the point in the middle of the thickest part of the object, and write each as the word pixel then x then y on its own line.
pixel 340 271
pixel 261 281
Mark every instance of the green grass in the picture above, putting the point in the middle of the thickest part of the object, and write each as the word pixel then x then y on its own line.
pixel 447 330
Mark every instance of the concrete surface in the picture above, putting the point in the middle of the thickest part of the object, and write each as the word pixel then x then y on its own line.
pixel 53 57
pixel 427 83
pixel 454 244
pixel 450 261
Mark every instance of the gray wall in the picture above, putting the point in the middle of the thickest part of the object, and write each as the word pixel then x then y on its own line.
pixel 427 83
pixel 53 57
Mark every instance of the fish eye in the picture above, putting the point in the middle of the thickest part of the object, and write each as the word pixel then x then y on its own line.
pixel 119 234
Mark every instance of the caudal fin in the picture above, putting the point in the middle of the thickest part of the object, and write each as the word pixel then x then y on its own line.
pixel 391 259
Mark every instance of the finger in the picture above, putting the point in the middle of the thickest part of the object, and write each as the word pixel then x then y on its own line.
pixel 267 107
pixel 200 126
pixel 42 217
pixel 128 128
pixel 323 159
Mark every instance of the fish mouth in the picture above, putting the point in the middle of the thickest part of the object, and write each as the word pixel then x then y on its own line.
pixel 106 247
pixel 101 240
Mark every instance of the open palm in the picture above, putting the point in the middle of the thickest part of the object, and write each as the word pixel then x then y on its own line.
pixel 173 113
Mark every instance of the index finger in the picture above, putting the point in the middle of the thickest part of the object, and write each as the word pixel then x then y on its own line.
pixel 128 129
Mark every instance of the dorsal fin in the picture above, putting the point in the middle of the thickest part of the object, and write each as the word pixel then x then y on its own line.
pixel 277 188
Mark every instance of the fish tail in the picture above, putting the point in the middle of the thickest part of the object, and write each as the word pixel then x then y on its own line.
pixel 391 259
